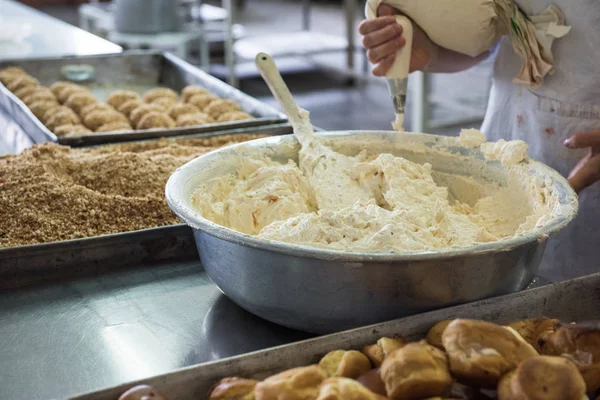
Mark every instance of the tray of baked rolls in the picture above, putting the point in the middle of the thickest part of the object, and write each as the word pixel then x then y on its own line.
pixel 126 96
pixel 542 343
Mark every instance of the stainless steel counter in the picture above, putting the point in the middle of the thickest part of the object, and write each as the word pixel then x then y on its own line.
pixel 71 337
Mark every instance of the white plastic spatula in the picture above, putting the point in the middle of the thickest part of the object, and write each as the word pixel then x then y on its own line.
pixel 397 76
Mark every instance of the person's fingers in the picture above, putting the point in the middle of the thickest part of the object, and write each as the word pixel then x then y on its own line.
pixel 381 68
pixel 582 140
pixel 385 9
pixel 586 173
pixel 381 36
pixel 372 25
pixel 389 48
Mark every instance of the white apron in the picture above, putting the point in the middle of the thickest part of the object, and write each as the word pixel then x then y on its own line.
pixel 568 102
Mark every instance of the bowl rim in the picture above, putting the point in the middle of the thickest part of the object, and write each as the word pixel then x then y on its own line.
pixel 568 209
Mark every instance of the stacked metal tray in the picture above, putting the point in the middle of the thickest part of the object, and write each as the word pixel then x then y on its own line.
pixel 133 70
pixel 574 300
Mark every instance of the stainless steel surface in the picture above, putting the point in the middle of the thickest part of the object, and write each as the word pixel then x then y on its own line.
pixel 290 284
pixel 147 16
pixel 13 139
pixel 398 90
pixel 135 70
pixel 26 265
pixel 575 300
pixel 49 37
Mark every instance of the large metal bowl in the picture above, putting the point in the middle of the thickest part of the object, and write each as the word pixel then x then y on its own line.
pixel 319 290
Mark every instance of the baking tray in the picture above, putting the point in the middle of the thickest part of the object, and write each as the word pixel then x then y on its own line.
pixel 25 265
pixel 574 300
pixel 133 70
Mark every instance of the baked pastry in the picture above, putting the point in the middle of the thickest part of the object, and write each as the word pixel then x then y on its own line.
pixel 39 108
pixel 10 72
pixel 64 116
pixel 180 109
pixel 25 91
pixel 345 364
pixel 96 119
pixel 481 353
pixel 416 371
pixel 52 108
pixel 17 82
pixel 385 346
pixel 165 102
pixel 138 113
pixel 434 336
pixel 345 389
pixel 579 343
pixel 85 111
pixel 68 90
pixel 57 87
pixel 115 126
pixel 301 383
pixel 155 93
pixel 142 392
pixel 221 106
pixel 195 119
pixel 233 389
pixel 154 120
pixel 71 129
pixel 234 116
pixel 119 97
pixel 202 100
pixel 372 381
pixel 192 90
pixel 79 100
pixel 40 93
pixel 130 105
pixel 544 378
pixel 535 331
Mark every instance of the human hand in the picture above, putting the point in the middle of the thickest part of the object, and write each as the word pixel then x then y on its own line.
pixel 382 37
pixel 587 171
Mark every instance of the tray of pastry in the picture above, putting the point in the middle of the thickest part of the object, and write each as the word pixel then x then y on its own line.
pixel 522 344
pixel 126 96
pixel 65 211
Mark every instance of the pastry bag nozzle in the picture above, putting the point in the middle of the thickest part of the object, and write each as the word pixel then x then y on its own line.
pixel 397 76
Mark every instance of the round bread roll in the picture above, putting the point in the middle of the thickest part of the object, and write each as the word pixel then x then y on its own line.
pixel 481 353
pixel 40 93
pixel 346 389
pixel 130 105
pixel 117 98
pixel 384 347
pixel 221 106
pixel 535 331
pixel 138 113
pixel 416 371
pixel 57 87
pixel 180 109
pixel 543 378
pixel 372 381
pixel 234 116
pixel 71 129
pixel 9 73
pixel 155 93
pixel 142 392
pixel 20 81
pixel 96 119
pixel 68 90
pixel 25 91
pixel 85 111
pixel 39 108
pixel 165 102
pixel 232 389
pixel 116 126
pixel 51 110
pixel 192 90
pixel 434 336
pixel 193 119
pixel 345 364
pixel 296 383
pixel 62 117
pixel 202 100
pixel 79 100
pixel 154 120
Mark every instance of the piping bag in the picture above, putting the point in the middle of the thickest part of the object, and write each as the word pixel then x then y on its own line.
pixel 397 76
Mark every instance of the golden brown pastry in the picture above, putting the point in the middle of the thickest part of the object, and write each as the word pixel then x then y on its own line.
pixel 64 116
pixel 579 343
pixel 142 392
pixel 52 108
pixel 40 93
pixel 154 120
pixel 39 108
pixel 20 81
pixel 434 336
pixel 180 109
pixel 543 378
pixel 85 111
pixel 192 90
pixel 130 105
pixel 385 346
pixel 10 72
pixel 165 103
pixel 416 371
pixel 68 90
pixel 234 116
pixel 221 106
pixel 96 119
pixel 155 93
pixel 138 113
pixel 481 353
pixel 233 389
pixel 345 389
pixel 345 364
pixel 117 98
pixel 372 381
pixel 202 100
pixel 193 119
pixel 25 91
pixel 535 331
pixel 71 129
pixel 79 100
pixel 57 87
pixel 115 126
pixel 301 383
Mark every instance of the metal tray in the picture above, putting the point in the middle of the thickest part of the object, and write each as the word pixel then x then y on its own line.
pixel 133 70
pixel 25 265
pixel 577 299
